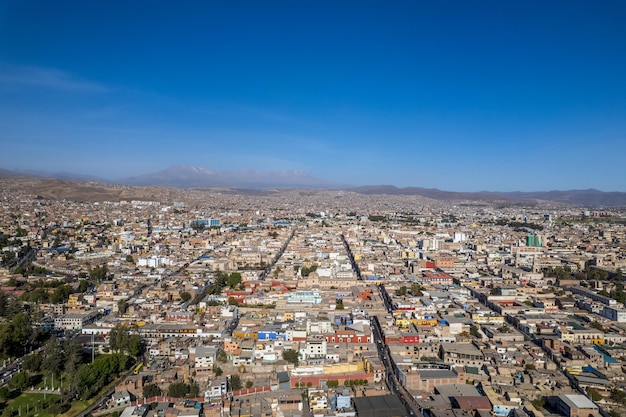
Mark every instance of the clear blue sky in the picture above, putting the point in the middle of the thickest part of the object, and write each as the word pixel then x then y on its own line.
pixel 464 96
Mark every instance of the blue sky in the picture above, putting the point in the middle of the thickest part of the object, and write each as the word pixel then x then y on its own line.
pixel 463 96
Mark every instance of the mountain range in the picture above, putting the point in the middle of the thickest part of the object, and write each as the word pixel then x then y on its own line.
pixel 181 176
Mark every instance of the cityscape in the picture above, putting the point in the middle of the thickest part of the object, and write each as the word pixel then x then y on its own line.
pixel 219 302
pixel 312 209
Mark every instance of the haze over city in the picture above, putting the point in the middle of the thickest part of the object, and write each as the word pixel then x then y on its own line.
pixel 461 96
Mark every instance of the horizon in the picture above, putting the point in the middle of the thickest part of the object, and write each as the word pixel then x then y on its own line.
pixel 337 187
pixel 489 97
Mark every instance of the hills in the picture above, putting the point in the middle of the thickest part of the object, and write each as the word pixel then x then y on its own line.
pixel 186 177
pixel 182 176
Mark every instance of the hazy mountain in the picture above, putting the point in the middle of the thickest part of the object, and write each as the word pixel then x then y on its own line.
pixel 588 197
pixel 193 177
pixel 69 176
pixel 433 193
pixel 5 173
pixel 181 176
pixel 578 197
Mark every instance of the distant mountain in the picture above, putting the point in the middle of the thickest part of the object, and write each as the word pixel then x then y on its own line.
pixel 69 176
pixel 590 197
pixel 183 176
pixel 5 173
pixel 429 193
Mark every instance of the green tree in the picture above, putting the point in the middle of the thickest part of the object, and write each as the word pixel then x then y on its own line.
pixel 32 363
pixel 151 390
pixel 402 291
pixel 594 395
pixel 538 403
pixel 119 338
pixel 618 395
pixel 235 383
pixel 305 271
pixel 291 356
pixel 221 356
pixel 20 381
pixel 17 336
pixel 130 259
pixel 339 304
pixel 92 377
pixel 98 273
pixel 4 302
pixel 416 290
pixel 61 294
pixel 178 390
pixel 83 285
pixel 135 345
pixel 218 371
pixel 249 383
pixel 5 394
pixel 185 296
pixel 194 390
pixel 53 358
pixel 234 279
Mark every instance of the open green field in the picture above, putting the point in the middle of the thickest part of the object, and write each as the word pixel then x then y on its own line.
pixel 33 405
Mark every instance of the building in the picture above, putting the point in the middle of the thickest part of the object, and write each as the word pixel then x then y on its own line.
pixel 73 321
pixel 574 405
pixel 461 354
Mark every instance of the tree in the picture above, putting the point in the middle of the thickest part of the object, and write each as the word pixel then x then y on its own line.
pixel 194 390
pixel 151 390
pixel 185 296
pixel 218 371
pixel 221 356
pixel 32 363
pixel 98 273
pixel 474 331
pixel 119 338
pixel 5 394
pixel 83 285
pixel 135 345
pixel 618 396
pixel 291 356
pixel 538 403
pixel 178 390
pixel 339 304
pixel 594 395
pixel 234 279
pixel 235 383
pixel 61 294
pixel 16 336
pixel 21 381
pixel 305 271
pixel 53 360
pixel 122 306
pixel 249 383
pixel 416 290
pixel 130 259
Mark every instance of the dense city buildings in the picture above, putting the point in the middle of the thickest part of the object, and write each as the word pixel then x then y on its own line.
pixel 291 303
